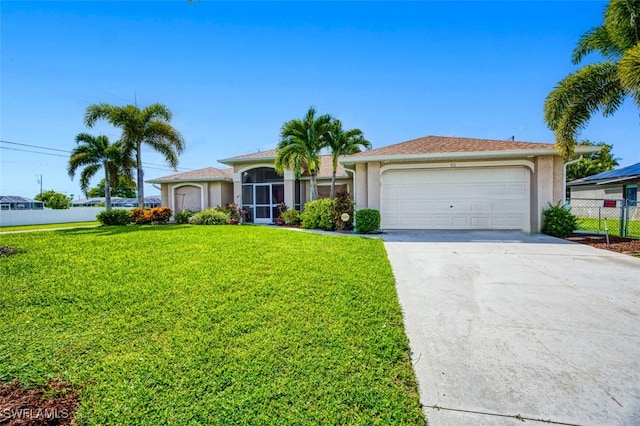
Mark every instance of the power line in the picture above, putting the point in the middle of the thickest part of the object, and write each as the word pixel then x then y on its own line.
pixel 35 152
pixel 34 146
pixel 163 167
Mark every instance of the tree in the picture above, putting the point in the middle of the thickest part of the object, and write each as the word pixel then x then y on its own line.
pixel 54 200
pixel 594 163
pixel 95 153
pixel 300 145
pixel 150 126
pixel 343 142
pixel 125 188
pixel 601 86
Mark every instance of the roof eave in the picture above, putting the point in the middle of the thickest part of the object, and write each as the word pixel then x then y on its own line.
pixel 235 160
pixel 441 156
pixel 216 179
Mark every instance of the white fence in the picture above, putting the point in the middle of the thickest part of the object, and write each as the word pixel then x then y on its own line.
pixel 38 217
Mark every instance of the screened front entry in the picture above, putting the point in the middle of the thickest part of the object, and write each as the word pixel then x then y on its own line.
pixel 262 191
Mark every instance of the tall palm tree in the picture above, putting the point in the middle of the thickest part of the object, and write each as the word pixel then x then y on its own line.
pixel 343 142
pixel 148 126
pixel 601 86
pixel 95 153
pixel 301 141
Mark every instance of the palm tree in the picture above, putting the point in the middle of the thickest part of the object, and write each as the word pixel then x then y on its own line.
pixel 95 153
pixel 601 86
pixel 141 126
pixel 300 145
pixel 341 143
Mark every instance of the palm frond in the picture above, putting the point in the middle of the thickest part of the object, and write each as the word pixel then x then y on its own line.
pixel 575 99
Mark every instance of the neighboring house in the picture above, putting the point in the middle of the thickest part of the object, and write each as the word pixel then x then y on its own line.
pixel 251 182
pixel 459 183
pixel 117 202
pixel 615 184
pixel 13 202
pixel 428 183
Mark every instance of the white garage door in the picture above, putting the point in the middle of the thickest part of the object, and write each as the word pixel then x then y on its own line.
pixel 462 198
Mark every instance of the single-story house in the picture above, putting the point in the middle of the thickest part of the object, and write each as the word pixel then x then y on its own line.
pixel 118 202
pixel 616 184
pixel 250 182
pixel 432 182
pixel 14 202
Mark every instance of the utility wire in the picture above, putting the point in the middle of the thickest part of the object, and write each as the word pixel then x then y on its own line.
pixel 163 167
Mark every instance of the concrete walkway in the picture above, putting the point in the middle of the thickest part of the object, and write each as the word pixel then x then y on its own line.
pixel 503 324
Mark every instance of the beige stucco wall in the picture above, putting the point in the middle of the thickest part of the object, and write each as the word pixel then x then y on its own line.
pixel 373 185
pixel 220 193
pixel 361 192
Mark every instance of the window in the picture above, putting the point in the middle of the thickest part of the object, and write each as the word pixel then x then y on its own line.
pixel 631 194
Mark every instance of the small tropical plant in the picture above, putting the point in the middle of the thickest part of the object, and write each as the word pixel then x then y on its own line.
pixel 114 217
pixel 141 216
pixel 161 215
pixel 318 214
pixel 183 216
pixel 290 217
pixel 342 203
pixel 209 217
pixel 367 220
pixel 558 221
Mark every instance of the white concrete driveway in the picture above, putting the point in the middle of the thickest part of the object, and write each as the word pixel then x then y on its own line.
pixel 503 324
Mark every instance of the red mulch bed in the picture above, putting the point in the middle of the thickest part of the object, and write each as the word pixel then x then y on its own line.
pixel 52 404
pixel 618 244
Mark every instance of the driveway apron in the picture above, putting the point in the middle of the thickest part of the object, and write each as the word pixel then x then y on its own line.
pixel 506 327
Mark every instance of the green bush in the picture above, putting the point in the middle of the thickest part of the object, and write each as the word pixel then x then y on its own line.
pixel 183 216
pixel 290 217
pixel 209 217
pixel 342 203
pixel 558 221
pixel 367 220
pixel 114 217
pixel 54 200
pixel 318 214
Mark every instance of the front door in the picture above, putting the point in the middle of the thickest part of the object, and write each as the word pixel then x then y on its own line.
pixel 262 207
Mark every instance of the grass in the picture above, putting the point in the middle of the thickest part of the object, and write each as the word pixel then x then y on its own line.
pixel 595 225
pixel 47 226
pixel 208 325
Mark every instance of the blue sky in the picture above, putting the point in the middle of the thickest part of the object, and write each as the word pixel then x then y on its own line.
pixel 234 72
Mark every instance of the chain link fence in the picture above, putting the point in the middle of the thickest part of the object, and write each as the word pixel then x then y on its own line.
pixel 618 217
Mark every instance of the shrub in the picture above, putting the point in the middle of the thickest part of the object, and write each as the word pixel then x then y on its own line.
pixel 114 217
pixel 290 217
pixel 160 215
pixel 318 214
pixel 558 221
pixel 209 217
pixel 342 203
pixel 54 200
pixel 183 216
pixel 141 216
pixel 367 220
pixel 231 210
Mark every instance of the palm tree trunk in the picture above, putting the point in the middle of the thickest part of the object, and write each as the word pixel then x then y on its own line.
pixel 314 187
pixel 107 187
pixel 333 184
pixel 140 177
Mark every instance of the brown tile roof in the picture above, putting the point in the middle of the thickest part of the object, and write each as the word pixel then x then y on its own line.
pixel 326 168
pixel 208 173
pixel 444 144
pixel 268 154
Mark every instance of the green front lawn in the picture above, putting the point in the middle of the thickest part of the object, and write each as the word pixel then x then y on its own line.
pixel 208 325
pixel 613 225
pixel 48 226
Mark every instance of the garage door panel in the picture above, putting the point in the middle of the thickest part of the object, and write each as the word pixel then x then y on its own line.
pixel 479 198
